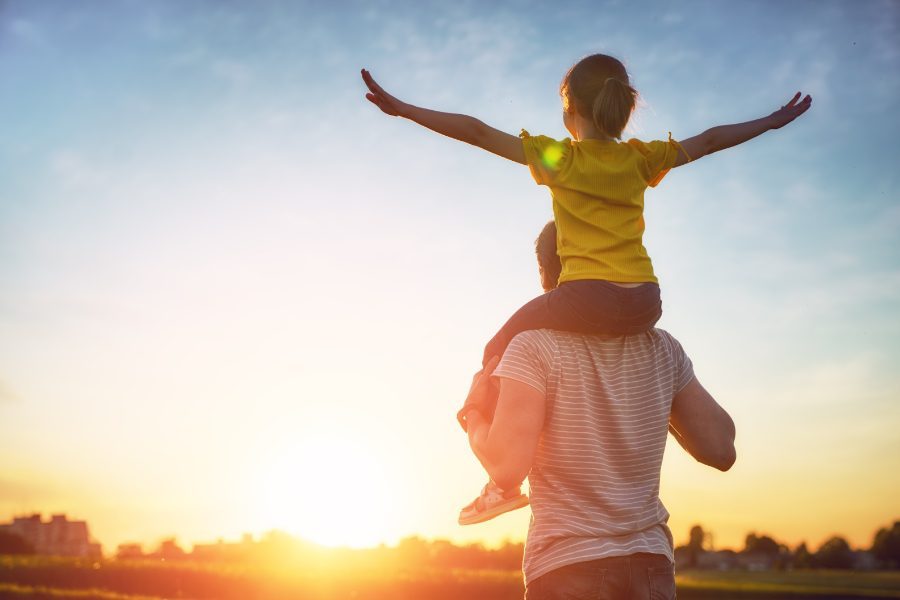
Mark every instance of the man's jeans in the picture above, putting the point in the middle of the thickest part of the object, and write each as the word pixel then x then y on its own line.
pixel 635 577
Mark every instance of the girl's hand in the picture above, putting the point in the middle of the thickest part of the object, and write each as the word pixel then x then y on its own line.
pixel 790 111
pixel 380 98
pixel 728 136
pixel 459 127
pixel 482 384
pixel 483 387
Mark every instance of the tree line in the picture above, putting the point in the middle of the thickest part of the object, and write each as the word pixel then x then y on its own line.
pixel 833 553
pixel 414 552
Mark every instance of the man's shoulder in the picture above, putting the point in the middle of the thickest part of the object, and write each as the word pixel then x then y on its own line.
pixel 668 340
pixel 540 341
pixel 653 340
pixel 652 335
pixel 535 336
pixel 664 335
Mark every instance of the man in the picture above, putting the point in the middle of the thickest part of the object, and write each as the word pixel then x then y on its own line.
pixel 585 418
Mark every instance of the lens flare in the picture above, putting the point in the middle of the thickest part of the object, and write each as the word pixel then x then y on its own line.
pixel 552 155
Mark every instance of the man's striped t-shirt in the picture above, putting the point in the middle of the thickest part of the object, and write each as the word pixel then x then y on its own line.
pixel 594 483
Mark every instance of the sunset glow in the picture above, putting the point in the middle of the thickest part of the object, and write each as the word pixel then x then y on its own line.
pixel 328 491
pixel 235 297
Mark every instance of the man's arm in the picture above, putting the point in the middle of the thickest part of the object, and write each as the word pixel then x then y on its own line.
pixel 726 136
pixel 459 127
pixel 702 427
pixel 506 446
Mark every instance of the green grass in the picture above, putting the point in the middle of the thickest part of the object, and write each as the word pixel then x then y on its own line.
pixel 12 590
pixel 814 583
pixel 40 578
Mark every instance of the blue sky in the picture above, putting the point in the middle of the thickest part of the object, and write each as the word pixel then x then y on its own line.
pixel 211 245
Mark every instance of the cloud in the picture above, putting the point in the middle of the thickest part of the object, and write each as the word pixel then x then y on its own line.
pixel 27 32
pixel 75 171
pixel 672 18
pixel 158 27
pixel 836 286
pixel 192 56
pixel 234 72
pixel 884 226
pixel 198 55
pixel 886 17
pixel 462 56
pixel 840 396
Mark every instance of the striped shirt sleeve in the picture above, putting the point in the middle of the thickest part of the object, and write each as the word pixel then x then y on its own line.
pixel 683 367
pixel 528 359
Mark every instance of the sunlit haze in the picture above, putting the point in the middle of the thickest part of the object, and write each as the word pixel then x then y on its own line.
pixel 235 297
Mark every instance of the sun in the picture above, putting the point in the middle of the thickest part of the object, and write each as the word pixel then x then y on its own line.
pixel 333 492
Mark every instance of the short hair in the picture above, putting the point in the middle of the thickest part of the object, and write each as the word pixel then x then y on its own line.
pixel 549 264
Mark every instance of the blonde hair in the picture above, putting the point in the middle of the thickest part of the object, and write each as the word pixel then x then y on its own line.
pixel 597 87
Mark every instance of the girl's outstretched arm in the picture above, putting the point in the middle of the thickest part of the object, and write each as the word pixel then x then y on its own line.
pixel 460 127
pixel 726 136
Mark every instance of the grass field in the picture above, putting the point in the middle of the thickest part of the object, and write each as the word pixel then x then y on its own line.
pixel 64 579
pixel 794 584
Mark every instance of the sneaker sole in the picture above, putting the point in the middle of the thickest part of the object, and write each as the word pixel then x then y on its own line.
pixel 495 511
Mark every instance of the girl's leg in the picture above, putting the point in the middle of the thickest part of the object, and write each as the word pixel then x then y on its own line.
pixel 552 310
pixel 589 306
pixel 536 314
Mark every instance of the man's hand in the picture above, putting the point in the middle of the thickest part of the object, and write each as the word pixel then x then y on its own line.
pixel 790 111
pixel 380 98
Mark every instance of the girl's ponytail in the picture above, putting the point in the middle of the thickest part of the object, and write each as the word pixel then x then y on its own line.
pixel 597 87
pixel 613 106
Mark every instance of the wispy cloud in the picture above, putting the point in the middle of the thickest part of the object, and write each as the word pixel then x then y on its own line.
pixel 473 59
pixel 886 18
pixel 829 387
pixel 672 18
pixel 28 32
pixel 75 170
pixel 235 72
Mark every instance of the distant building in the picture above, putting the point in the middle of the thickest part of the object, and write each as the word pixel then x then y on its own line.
pixel 225 551
pixel 56 537
pixel 756 561
pixel 169 550
pixel 128 551
pixel 720 560
pixel 863 560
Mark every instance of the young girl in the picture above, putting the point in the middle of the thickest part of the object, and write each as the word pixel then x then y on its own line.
pixel 597 183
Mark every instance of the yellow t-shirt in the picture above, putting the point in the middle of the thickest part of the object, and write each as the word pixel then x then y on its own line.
pixel 598 201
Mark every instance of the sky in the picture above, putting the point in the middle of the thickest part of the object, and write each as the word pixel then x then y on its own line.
pixel 235 297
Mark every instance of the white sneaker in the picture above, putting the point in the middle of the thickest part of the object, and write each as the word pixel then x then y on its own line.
pixel 491 503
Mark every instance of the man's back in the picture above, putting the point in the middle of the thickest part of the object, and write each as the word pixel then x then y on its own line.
pixel 595 477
